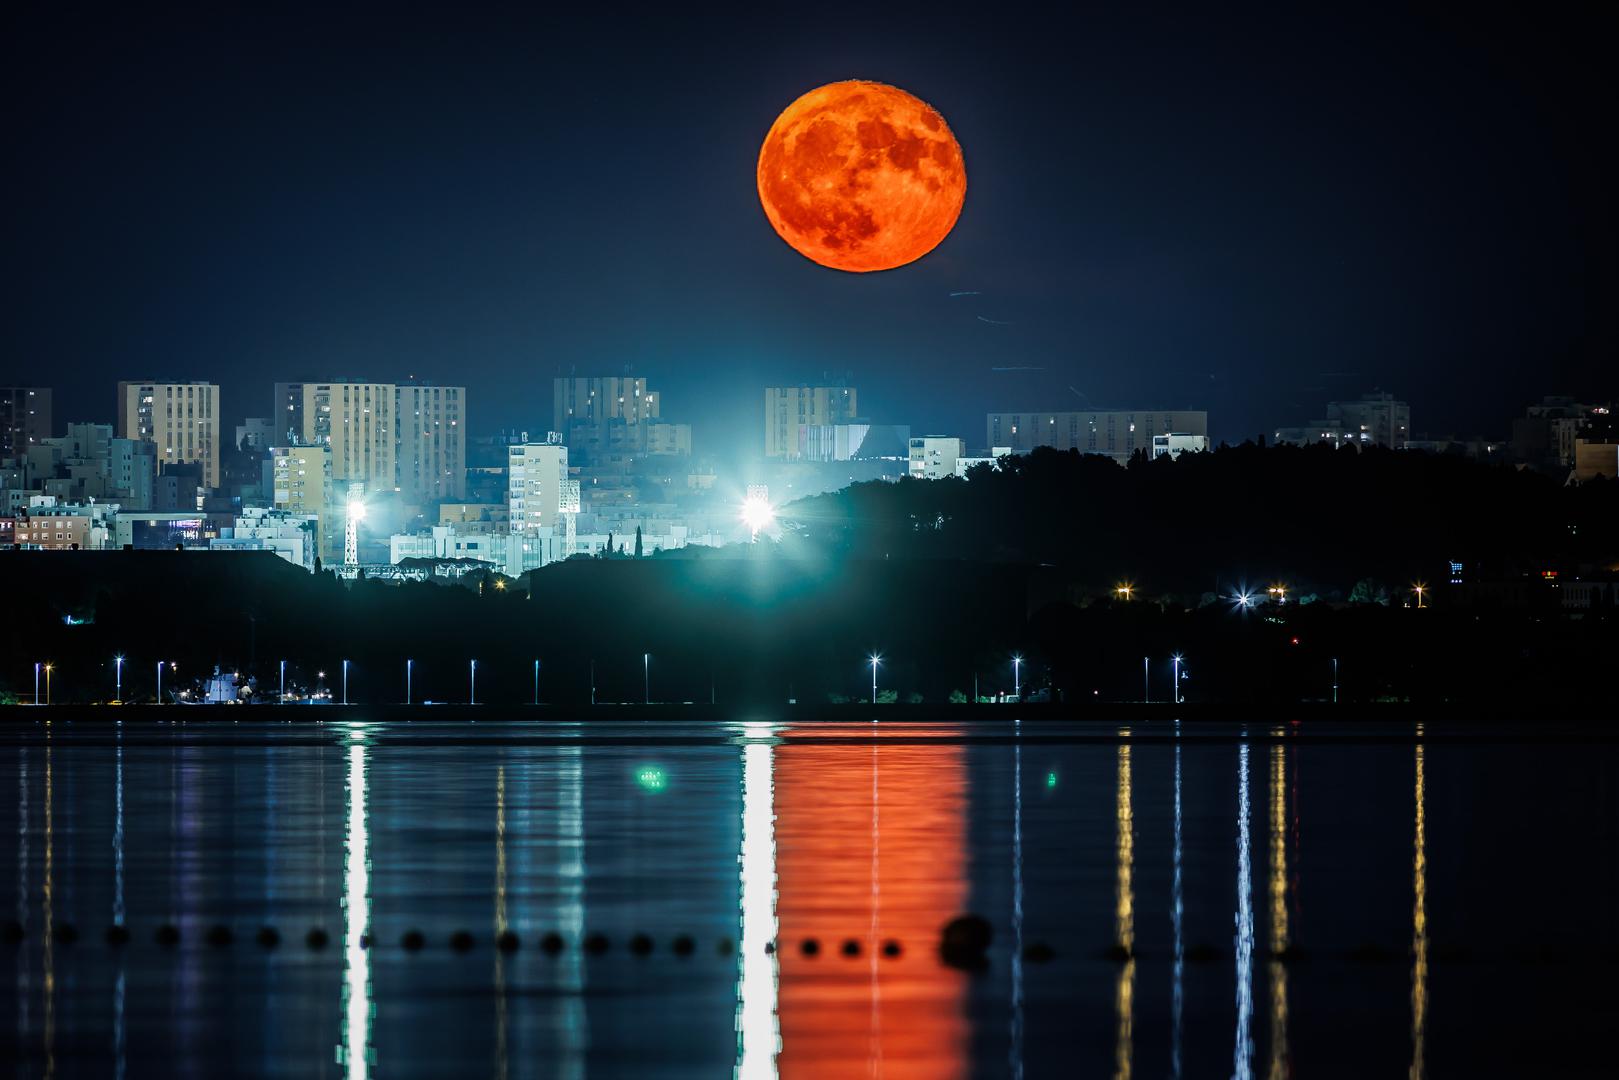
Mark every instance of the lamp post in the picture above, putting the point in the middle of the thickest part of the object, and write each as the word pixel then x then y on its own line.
pixel 408 664
pixel 283 700
pixel 473 693
pixel 345 682
pixel 160 682
pixel 1420 589
pixel 874 660
pixel 1177 659
pixel 48 669
pixel 1335 680
pixel 646 678
pixel 1146 680
pixel 37 666
pixel 536 682
pixel 118 684
pixel 1017 676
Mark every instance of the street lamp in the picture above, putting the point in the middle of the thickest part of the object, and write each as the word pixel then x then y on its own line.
pixel 536 682
pixel 1017 676
pixel 283 682
pixel 874 659
pixel 160 682
pixel 1146 680
pixel 1125 591
pixel 1178 677
pixel 1244 601
pixel 1419 588
pixel 48 669
pixel 118 684
pixel 473 694
pixel 1278 593
pixel 646 678
pixel 408 664
pixel 1335 680
pixel 37 666
pixel 345 682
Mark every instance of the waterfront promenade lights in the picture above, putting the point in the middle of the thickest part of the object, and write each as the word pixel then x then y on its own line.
pixel 1244 601
pixel 1125 591
pixel 37 668
pixel 160 682
pixel 473 692
pixel 1017 676
pixel 408 665
pixel 345 682
pixel 1420 589
pixel 646 678
pixel 1278 593
pixel 1178 677
pixel 48 669
pixel 536 682
pixel 118 683
pixel 283 682
pixel 874 660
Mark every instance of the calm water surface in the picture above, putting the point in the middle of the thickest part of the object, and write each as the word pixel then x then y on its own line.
pixel 1223 902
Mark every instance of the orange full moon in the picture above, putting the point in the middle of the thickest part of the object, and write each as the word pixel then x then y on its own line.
pixel 861 176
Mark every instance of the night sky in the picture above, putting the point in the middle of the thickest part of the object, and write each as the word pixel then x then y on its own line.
pixel 1230 213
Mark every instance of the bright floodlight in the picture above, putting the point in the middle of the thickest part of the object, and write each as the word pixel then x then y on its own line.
pixel 356 510
pixel 757 513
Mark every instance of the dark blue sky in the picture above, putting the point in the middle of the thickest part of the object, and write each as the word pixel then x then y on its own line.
pixel 1231 212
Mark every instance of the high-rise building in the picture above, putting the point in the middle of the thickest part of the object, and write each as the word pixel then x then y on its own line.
pixel 598 400
pixel 790 409
pixel 180 419
pixel 1115 433
pixel 287 413
pixel 432 456
pixel 356 422
pixel 131 473
pixel 25 418
pixel 1376 420
pixel 302 478
pixel 536 472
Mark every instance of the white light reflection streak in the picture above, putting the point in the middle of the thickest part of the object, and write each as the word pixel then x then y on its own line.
pixel 1242 1056
pixel 500 922
pixel 1419 927
pixel 1177 997
pixel 1017 909
pixel 355 1053
pixel 571 911
pixel 23 988
pixel 118 987
pixel 758 1025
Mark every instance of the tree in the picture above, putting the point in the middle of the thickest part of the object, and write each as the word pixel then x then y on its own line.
pixel 638 541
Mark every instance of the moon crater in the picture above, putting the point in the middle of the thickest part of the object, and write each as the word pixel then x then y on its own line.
pixel 861 176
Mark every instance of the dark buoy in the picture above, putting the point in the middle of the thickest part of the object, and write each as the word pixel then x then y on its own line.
pixel 551 943
pixel 640 945
pixel 219 936
pixel 596 944
pixel 117 935
pixel 810 947
pixel 891 948
pixel 269 937
pixel 507 942
pixel 964 941
pixel 1038 952
pixel 851 947
pixel 316 938
pixel 168 935
pixel 683 945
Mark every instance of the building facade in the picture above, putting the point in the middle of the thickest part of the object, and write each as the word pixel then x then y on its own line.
pixel 1373 420
pixel 790 409
pixel 25 418
pixel 1114 433
pixel 432 455
pixel 356 422
pixel 180 419
pixel 535 474
pixel 597 400
pixel 1177 443
pixel 934 457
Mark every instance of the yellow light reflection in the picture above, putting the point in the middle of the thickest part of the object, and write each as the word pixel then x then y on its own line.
pixel 1243 1052
pixel 355 1053
pixel 1280 1067
pixel 49 911
pixel 1125 917
pixel 1419 929
pixel 758 1026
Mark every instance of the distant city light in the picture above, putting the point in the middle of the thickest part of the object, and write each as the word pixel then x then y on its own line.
pixel 1051 779
pixel 651 778
pixel 356 510
pixel 757 513
pixel 1125 591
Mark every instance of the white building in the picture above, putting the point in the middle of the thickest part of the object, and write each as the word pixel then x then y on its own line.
pixel 934 457
pixel 964 464
pixel 535 472
pixel 292 536
pixel 432 457
pixel 1177 443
